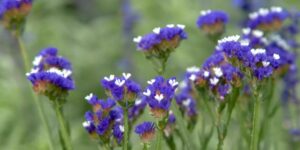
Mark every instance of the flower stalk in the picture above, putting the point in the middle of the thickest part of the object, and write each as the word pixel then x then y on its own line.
pixel 255 121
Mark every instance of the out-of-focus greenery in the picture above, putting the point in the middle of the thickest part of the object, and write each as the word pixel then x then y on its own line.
pixel 89 33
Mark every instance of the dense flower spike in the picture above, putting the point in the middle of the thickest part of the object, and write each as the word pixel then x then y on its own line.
pixel 212 21
pixel 13 13
pixel 161 39
pixel 146 131
pixel 51 74
pixel 217 74
pixel 100 121
pixel 267 19
pixel 159 95
pixel 122 89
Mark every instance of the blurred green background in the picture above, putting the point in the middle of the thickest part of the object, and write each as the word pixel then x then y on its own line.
pixel 90 33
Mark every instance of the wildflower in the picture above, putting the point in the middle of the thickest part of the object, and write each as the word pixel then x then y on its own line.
pixel 170 126
pixel 146 131
pixel 100 121
pixel 159 95
pixel 267 19
pixel 253 38
pixel 50 78
pixel 212 21
pixel 161 40
pixel 137 109
pixel 121 88
pixel 13 14
pixel 118 132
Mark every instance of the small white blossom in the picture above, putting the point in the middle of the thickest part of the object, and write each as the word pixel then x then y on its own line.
pixel 156 30
pixel 173 82
pixel 126 75
pixel 276 56
pixel 218 71
pixel 214 81
pixel 110 78
pixel 119 82
pixel 170 25
pixel 88 97
pixel 159 97
pixel 151 81
pixel 181 26
pixel 137 39
pixel 37 60
pixel 147 93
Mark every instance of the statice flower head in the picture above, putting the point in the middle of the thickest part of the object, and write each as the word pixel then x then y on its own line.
pixel 212 22
pixel 53 81
pixel 146 131
pixel 118 132
pixel 170 126
pixel 13 14
pixel 267 19
pixel 217 74
pixel 255 38
pixel 122 89
pixel 159 95
pixel 137 109
pixel 99 122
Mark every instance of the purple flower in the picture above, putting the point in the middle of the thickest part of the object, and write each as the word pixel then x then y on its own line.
pixel 121 88
pixel 118 131
pixel 52 77
pixel 267 19
pixel 137 109
pixel 161 39
pixel 146 130
pixel 212 21
pixel 14 12
pixel 159 95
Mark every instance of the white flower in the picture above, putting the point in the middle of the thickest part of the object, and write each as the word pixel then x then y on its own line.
pixel 170 25
pixel 32 71
pixel 159 97
pixel 119 82
pixel 147 93
pixel 187 102
pixel 218 71
pixel 88 97
pixel 37 60
pixel 214 81
pixel 173 82
pixel 253 15
pixel 246 31
pixel 205 12
pixel 193 69
pixel 258 51
pixel 206 74
pixel 138 102
pixel 156 30
pixel 126 75
pixel 110 78
pixel 257 33
pixel 137 39
pixel 121 127
pixel 263 11
pixel 193 77
pixel 266 63
pixel 276 9
pixel 181 26
pixel 86 124
pixel 276 56
pixel 151 81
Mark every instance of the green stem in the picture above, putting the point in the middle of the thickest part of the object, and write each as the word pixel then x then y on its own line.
pixel 126 129
pixel 255 122
pixel 63 126
pixel 182 129
pixel 145 146
pixel 159 137
pixel 37 102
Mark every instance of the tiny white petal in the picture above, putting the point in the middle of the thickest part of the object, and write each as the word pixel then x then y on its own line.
pixel 121 127
pixel 156 30
pixel 110 78
pixel 187 102
pixel 193 77
pixel 37 60
pixel 193 69
pixel 218 71
pixel 151 81
pixel 138 102
pixel 88 97
pixel 206 74
pixel 266 63
pixel 214 81
pixel 173 83
pixel 159 97
pixel 86 124
pixel 181 26
pixel 276 56
pixel 257 33
pixel 170 25
pixel 147 93
pixel 119 82
pixel 137 39
pixel 246 31
pixel 126 75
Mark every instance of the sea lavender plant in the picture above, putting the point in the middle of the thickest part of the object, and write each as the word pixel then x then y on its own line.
pixel 212 22
pixel 158 45
pixel 51 77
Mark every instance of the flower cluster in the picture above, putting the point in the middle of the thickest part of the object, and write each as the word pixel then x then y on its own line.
pixel 105 119
pixel 212 21
pixel 217 74
pixel 267 19
pixel 185 99
pixel 146 131
pixel 122 89
pixel 137 109
pixel 51 74
pixel 14 12
pixel 159 95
